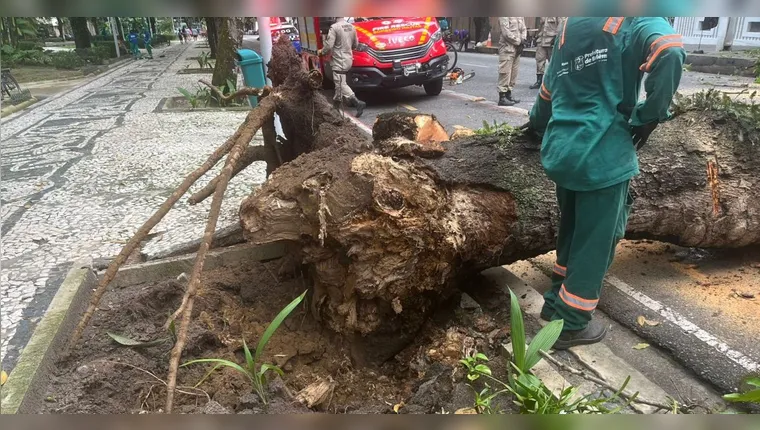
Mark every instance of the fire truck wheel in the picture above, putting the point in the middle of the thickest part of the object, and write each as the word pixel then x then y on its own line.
pixel 433 88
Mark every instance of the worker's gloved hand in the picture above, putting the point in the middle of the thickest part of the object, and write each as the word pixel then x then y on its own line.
pixel 640 133
pixel 534 135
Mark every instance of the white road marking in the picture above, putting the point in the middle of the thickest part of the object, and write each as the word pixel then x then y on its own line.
pixel 469 98
pixel 686 325
pixel 475 65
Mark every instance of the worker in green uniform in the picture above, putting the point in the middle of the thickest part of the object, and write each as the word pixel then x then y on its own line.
pixel 592 125
pixel 148 40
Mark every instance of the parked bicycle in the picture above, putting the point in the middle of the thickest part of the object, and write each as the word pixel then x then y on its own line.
pixel 450 40
pixel 8 83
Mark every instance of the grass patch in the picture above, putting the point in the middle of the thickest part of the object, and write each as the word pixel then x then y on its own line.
pixel 25 74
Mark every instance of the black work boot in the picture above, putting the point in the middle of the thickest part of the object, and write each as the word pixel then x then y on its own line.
pixel 537 85
pixel 593 333
pixel 509 97
pixel 504 101
pixel 360 105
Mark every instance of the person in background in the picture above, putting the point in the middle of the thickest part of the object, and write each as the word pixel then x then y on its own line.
pixel 341 41
pixel 513 34
pixel 147 40
pixel 593 124
pixel 547 34
pixel 133 41
pixel 181 36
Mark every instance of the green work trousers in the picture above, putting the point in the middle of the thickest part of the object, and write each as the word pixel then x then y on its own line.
pixel 591 225
pixel 149 48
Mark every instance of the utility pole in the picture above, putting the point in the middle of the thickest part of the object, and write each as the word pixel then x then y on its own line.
pixel 112 22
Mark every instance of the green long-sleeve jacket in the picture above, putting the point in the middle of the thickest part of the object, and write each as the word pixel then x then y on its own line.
pixel 589 97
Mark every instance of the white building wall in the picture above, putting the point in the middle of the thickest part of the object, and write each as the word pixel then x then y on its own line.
pixel 746 32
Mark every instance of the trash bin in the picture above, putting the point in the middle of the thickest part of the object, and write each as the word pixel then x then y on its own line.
pixel 252 66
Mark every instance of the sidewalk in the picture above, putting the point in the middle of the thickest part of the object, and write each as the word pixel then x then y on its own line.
pixel 724 63
pixel 82 170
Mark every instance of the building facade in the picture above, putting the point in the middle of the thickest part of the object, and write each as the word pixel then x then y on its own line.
pixel 732 33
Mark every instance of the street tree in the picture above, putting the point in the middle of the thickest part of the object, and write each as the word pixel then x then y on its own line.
pixel 81 32
pixel 229 39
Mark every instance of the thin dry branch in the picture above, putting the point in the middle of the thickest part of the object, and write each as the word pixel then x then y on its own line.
pixel 259 116
pixel 630 397
pixel 245 91
pixel 143 231
pixel 252 154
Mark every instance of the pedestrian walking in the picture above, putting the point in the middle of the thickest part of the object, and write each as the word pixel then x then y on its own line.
pixel 513 34
pixel 181 36
pixel 547 35
pixel 593 125
pixel 340 42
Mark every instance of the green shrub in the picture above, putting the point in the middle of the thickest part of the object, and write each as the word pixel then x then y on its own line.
pixel 67 60
pixel 29 45
pixel 109 47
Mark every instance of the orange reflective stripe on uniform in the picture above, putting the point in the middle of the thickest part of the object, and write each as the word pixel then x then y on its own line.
pixel 613 24
pixel 545 93
pixel 560 270
pixel 425 33
pixel 577 302
pixel 659 45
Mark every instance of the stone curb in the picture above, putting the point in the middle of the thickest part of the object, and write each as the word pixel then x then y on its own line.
pixel 38 357
pixel 19 107
pixel 28 380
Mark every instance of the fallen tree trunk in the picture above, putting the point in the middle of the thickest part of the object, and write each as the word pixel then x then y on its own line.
pixel 387 233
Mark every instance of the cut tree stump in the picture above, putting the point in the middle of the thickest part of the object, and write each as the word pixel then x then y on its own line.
pixel 389 232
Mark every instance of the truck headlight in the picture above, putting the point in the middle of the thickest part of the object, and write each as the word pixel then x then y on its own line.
pixel 437 35
pixel 362 47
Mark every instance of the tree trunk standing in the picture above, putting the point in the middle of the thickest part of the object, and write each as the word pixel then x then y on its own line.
pixel 212 35
pixel 388 237
pixel 81 32
pixel 61 30
pixel 95 26
pixel 153 26
pixel 119 30
pixel 230 34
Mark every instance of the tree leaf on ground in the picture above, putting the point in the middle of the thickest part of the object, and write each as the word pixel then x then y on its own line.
pixel 3 377
pixel 125 341
pixel 398 407
pixel 641 346
pixel 643 321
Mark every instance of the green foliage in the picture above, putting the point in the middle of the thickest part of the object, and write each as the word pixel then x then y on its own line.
pixel 748 395
pixel 530 393
pixel 747 115
pixel 193 99
pixel 496 129
pixel 254 369
pixel 68 60
pixel 544 340
pixel 203 60
pixel 28 45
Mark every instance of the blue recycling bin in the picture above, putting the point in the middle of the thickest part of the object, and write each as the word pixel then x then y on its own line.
pixel 252 66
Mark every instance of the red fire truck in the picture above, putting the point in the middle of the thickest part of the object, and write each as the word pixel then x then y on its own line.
pixel 392 52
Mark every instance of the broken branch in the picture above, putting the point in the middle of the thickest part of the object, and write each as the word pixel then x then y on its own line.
pixel 143 231
pixel 258 116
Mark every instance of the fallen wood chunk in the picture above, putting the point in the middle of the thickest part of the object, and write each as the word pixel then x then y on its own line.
pixel 317 393
pixel 413 126
pixel 460 132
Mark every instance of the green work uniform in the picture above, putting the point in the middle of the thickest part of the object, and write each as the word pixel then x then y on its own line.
pixel 585 109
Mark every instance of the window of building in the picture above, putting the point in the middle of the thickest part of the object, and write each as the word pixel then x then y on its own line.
pixel 753 27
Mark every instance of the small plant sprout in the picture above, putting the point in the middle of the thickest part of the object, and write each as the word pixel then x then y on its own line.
pixel 254 369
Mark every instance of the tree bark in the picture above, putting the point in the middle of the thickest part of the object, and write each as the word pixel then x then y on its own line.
pixel 388 233
pixel 211 29
pixel 230 38
pixel 153 26
pixel 81 32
